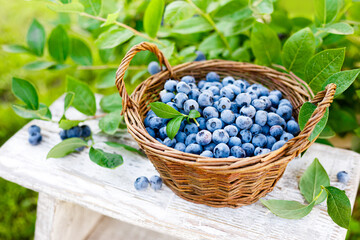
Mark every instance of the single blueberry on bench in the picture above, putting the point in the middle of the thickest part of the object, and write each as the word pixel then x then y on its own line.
pixel 141 183
pixel 34 129
pixel 156 182
pixel 85 131
pixel 35 138
pixel 74 132
pixel 342 177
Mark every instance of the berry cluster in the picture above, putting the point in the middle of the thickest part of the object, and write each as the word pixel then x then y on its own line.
pixel 77 131
pixel 34 135
pixel 141 183
pixel 237 119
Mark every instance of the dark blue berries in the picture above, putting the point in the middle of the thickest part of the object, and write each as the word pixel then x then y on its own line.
pixel 156 182
pixel 84 132
pixel 34 135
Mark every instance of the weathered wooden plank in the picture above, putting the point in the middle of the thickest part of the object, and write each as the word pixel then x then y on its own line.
pixel 76 179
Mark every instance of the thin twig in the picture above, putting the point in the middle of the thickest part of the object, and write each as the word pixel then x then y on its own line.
pixel 101 67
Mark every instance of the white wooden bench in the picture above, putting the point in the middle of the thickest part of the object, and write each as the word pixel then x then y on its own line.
pixel 80 200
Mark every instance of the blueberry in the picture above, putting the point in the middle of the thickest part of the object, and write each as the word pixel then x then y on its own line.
pixel 227 92
pixel 227 116
pixel 182 126
pixel 212 77
pixel 151 132
pixel 221 151
pixel 180 99
pixel 248 111
pixel 240 84
pixel 254 88
pixel 180 137
pixel 228 80
pixel 194 94
pixel 190 105
pixel 173 105
pixel 170 143
pixel 210 147
pixel 220 136
pixel 270 141
pixel 249 149
pixel 264 91
pixel 343 177
pixel 203 137
pixel 285 102
pixel 286 136
pixel 267 101
pixel 162 132
pixel 74 132
pixel 243 99
pixel 35 138
pixel 201 83
pixel 188 79
pixel 276 93
pixel 234 107
pixel 199 56
pixel 206 86
pixel 80 149
pixel 216 99
pixel 63 134
pixel 259 104
pixel 261 117
pixel 34 129
pixel 167 97
pixel 191 138
pixel 285 112
pixel 244 122
pixel 276 131
pixel 154 123
pixel 205 99
pixel 183 87
pixel 255 129
pixel 213 124
pixel 141 183
pixel 273 119
pixel 159 140
pixel 231 130
pixel 191 128
pixel 85 131
pixel 246 136
pixel 224 103
pixel 274 100
pixel 278 145
pixel 156 182
pixel 292 127
pixel 235 89
pixel 153 67
pixel 210 112
pixel 215 90
pixel 260 151
pixel 259 140
pixel 202 122
pixel 193 148
pixel 180 146
pixel 252 94
pixel 265 130
pixel 234 141
pixel 238 152
pixel 170 85
pixel 207 153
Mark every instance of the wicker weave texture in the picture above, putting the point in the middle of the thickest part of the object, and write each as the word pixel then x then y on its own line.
pixel 218 182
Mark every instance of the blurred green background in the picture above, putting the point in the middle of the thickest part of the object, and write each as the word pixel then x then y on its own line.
pixel 17 204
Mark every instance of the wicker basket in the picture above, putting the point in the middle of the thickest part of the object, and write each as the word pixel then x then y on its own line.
pixel 217 182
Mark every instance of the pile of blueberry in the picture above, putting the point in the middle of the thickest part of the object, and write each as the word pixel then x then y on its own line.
pixel 237 119
pixel 141 183
pixel 77 131
pixel 34 135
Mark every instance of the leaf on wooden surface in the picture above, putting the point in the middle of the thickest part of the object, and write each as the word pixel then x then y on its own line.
pixel 66 147
pixel 105 159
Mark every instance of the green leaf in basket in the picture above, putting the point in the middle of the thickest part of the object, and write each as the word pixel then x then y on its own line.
pixel 105 159
pixel 342 79
pixel 311 181
pixel 67 124
pixel 288 209
pixel 164 111
pixel 80 52
pixel 338 206
pixel 305 113
pixel 111 103
pixel 152 17
pixel 92 7
pixel 36 38
pixel 59 44
pixel 110 123
pixel 26 92
pixel 173 126
pixel 124 146
pixel 66 147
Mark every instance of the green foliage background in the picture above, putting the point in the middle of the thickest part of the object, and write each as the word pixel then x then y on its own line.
pixel 18 205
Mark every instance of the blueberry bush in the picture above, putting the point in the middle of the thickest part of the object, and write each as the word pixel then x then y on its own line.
pixel 81 43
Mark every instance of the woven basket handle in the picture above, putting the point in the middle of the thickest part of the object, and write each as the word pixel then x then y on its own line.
pixel 127 101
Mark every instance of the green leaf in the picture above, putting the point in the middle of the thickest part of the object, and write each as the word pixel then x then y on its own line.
pixel 241 55
pixel 265 44
pixel 192 25
pixel 194 114
pixel 152 17
pixel 262 6
pixel 67 124
pixel 80 52
pixel 65 147
pixel 326 10
pixel 92 7
pixel 15 48
pixel 106 79
pixel 38 65
pixel 327 132
pixel 138 75
pixel 111 103
pixel 173 126
pixel 59 44
pixel 342 79
pixel 177 11
pixel 110 123
pixel 73 7
pixel 339 29
pixel 211 42
pixel 346 117
pixel 163 110
pixel 338 206
pixel 297 51
pixel 288 209
pixel 36 38
pixel 233 28
pixel 124 146
pixel 105 159
pixel 113 38
pixel 24 112
pixel 111 18
pixel 69 98
pixel 26 92
pixel 305 113
pixel 311 181
pixel 84 100
pixel 323 65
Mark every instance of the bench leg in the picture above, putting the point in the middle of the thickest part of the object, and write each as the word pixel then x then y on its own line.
pixel 62 220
